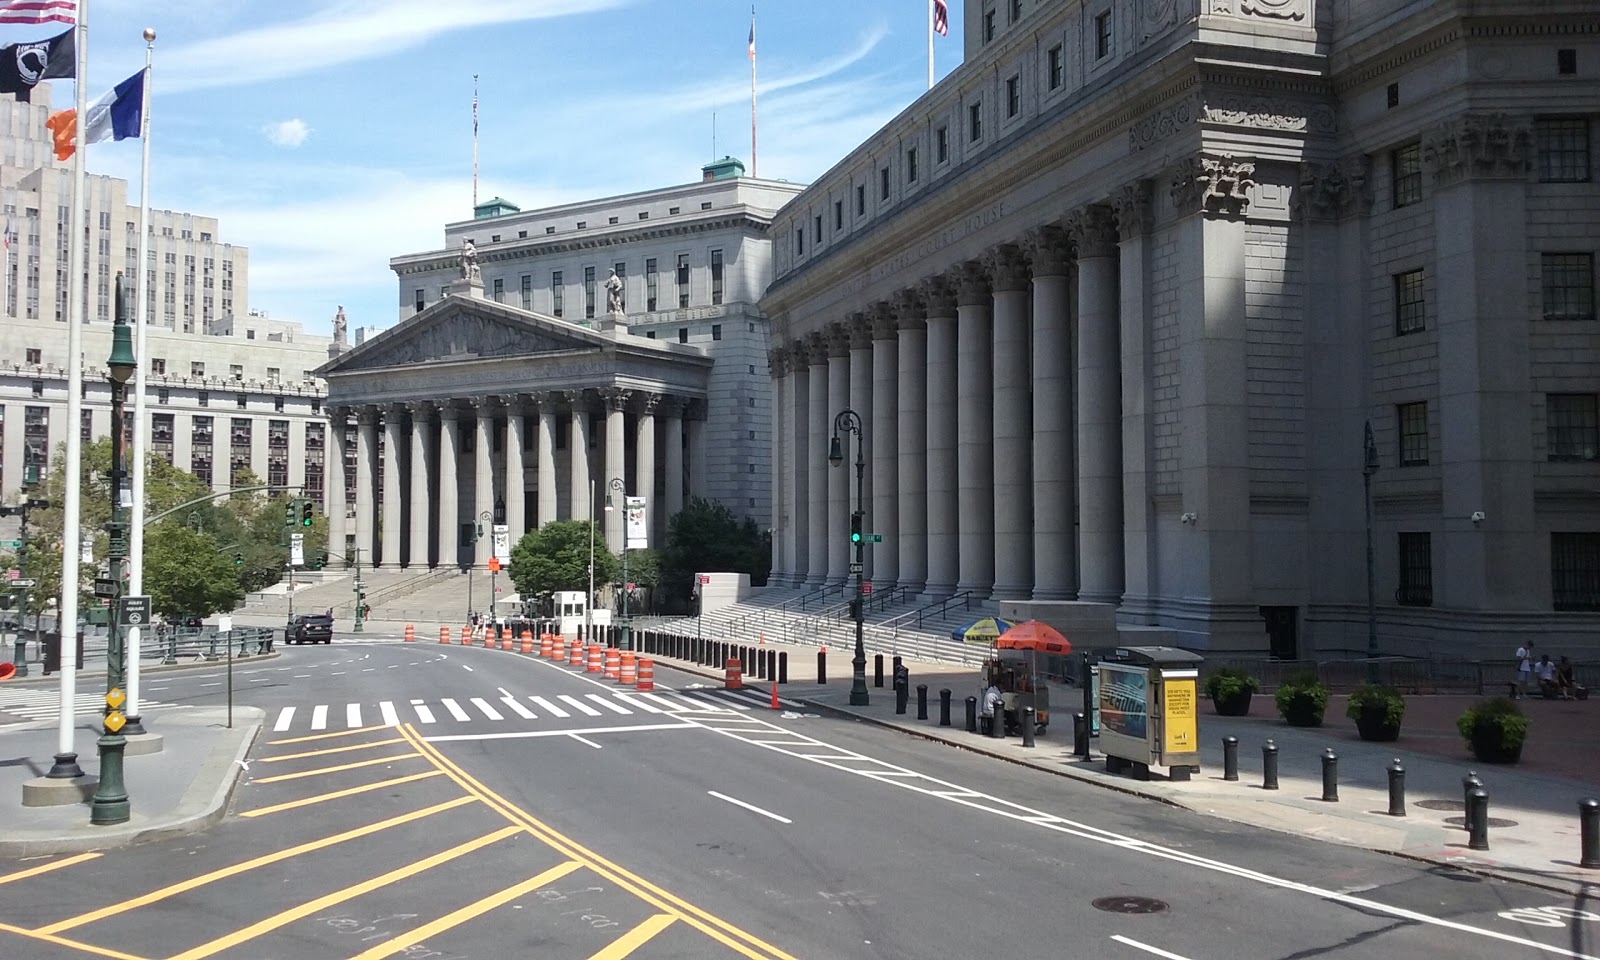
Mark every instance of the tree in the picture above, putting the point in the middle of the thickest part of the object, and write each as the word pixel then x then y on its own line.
pixel 556 557
pixel 705 535
pixel 186 573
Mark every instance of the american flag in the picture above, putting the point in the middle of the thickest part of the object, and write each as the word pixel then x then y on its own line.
pixel 474 104
pixel 38 11
pixel 11 233
pixel 941 18
pixel 752 35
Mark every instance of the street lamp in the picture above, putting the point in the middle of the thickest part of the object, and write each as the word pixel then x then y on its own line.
pixel 847 422
pixel 1369 466
pixel 110 804
pixel 588 606
pixel 620 488
pixel 472 561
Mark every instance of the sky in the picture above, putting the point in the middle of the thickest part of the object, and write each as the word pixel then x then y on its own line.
pixel 328 136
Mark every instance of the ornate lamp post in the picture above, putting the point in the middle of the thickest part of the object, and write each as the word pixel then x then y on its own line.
pixel 110 804
pixel 477 534
pixel 1369 466
pixel 620 488
pixel 847 422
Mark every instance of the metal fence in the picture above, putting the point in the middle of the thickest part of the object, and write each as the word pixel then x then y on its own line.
pixel 1411 676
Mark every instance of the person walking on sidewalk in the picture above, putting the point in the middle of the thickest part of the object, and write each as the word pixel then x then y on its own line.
pixel 1524 668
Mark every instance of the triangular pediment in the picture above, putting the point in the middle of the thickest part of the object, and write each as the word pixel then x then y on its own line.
pixel 465 329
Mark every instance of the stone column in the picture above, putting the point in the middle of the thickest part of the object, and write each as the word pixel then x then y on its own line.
pixel 366 486
pixel 672 440
pixel 841 479
pixel 975 428
pixel 394 442
pixel 545 444
pixel 333 470
pixel 885 467
pixel 911 431
pixel 861 402
pixel 581 502
pixel 1099 407
pixel 815 461
pixel 616 466
pixel 420 500
pixel 483 476
pixel 516 481
pixel 644 464
pixel 940 382
pixel 697 448
pixel 449 487
pixel 797 398
pixel 1055 567
pixel 1133 212
pixel 778 371
pixel 1013 429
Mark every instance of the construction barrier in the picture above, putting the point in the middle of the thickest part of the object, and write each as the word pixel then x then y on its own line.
pixel 466 635
pixel 411 633
pixel 576 657
pixel 775 695
pixel 505 638
pixel 595 663
pixel 527 641
pixel 558 648
pixel 613 668
pixel 444 634
pixel 547 645
pixel 628 672
pixel 647 675
pixel 734 677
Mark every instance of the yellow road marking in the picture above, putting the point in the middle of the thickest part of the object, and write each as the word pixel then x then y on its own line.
pixel 335 795
pixel 343 766
pixel 47 867
pixel 323 753
pixel 325 736
pixel 340 896
pixel 452 920
pixel 706 923
pixel 623 947
pixel 64 942
pixel 246 866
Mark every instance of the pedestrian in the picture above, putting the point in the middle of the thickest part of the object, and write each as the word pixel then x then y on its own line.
pixel 993 708
pixel 1524 668
pixel 1566 683
pixel 1545 672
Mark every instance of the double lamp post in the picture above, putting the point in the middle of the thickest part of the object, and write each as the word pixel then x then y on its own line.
pixel 848 422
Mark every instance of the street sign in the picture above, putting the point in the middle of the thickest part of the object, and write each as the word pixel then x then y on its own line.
pixel 855 567
pixel 866 587
pixel 133 611
pixel 704 579
pixel 11 544
pixel 105 588
pixel 494 564
pixel 297 549
pixel 873 538
pixel 23 583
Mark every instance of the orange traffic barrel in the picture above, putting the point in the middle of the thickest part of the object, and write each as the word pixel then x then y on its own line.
pixel 628 672
pixel 547 644
pixel 613 663
pixel 527 642
pixel 466 635
pixel 596 660
pixel 734 678
pixel 576 654
pixel 444 634
pixel 505 638
pixel 558 648
pixel 411 633
pixel 647 674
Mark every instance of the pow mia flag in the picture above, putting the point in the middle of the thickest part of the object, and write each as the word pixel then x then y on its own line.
pixel 23 65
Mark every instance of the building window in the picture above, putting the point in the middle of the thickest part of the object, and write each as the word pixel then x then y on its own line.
pixel 241 400
pixel 158 366
pixel 612 221
pixel 816 230
pixel 1406 164
pixel 203 397
pixel 1016 11
pixel 975 122
pixel 716 331
pixel 683 280
pixel 236 371
pixel 37 387
pixel 1416 570
pixel 1053 69
pixel 559 292
pixel 1563 148
pixel 705 205
pixel 1102 35
pixel 941 145
pixel 1412 419
pixel 1409 303
pixel 197 368
pixel 34 356
pixel 274 374
pixel 911 165
pixel 1572 427
pixel 650 284
pixel 716 272
pixel 861 200
pixel 883 184
pixel 1567 280
pixel 683 334
pixel 499 290
pixel 988 25
pixel 1575 571
pixel 527 291
pixel 838 214
pixel 588 292
pixel 420 301
pixel 1013 96
pixel 162 395
pixel 549 230
pixel 799 241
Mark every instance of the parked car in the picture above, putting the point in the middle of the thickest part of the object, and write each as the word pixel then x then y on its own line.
pixel 311 628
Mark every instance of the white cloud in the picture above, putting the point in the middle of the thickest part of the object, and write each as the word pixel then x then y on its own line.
pixel 287 133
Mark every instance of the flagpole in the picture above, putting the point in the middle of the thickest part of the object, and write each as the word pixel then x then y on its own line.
pixel 66 758
pixel 474 144
pixel 141 426
pixel 930 44
pixel 754 168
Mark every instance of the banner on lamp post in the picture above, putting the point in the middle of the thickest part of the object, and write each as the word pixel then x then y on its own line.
pixel 297 550
pixel 502 543
pixel 637 537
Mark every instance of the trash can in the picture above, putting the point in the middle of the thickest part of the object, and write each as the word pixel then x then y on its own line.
pixel 1148 702
pixel 52 651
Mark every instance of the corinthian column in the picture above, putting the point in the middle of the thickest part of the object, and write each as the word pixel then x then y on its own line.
pixel 1132 204
pixel 975 429
pixel 644 447
pixel 841 480
pixel 1013 430
pixel 911 408
pixel 778 371
pixel 366 488
pixel 516 479
pixel 338 507
pixel 616 402
pixel 420 502
pixel 1099 406
pixel 483 476
pixel 1055 567
pixel 816 461
pixel 861 402
pixel 797 398
pixel 394 441
pixel 885 447
pixel 545 450
pixel 943 545
pixel 449 488
pixel 581 502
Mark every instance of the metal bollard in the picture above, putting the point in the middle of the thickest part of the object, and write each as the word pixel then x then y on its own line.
pixel 1469 783
pixel 772 664
pixel 822 666
pixel 944 707
pixel 901 695
pixel 922 701
pixel 997 723
pixel 1080 735
pixel 1269 766
pixel 1330 776
pixel 1027 726
pixel 21 658
pixel 1230 758
pixel 1589 833
pixel 972 714
pixel 761 664
pixel 1478 819
pixel 877 670
pixel 783 666
pixel 1397 789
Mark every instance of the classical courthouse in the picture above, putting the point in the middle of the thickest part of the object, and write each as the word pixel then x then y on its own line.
pixel 1117 299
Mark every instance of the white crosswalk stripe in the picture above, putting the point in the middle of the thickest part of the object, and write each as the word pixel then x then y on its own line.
pixel 550 708
pixel 609 705
pixel 518 708
pixel 455 709
pixel 579 705
pixel 390 717
pixel 319 717
pixel 44 703
pixel 352 715
pixel 488 711
pixel 285 717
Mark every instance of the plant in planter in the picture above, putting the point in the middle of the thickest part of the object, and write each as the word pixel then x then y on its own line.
pixel 1229 689
pixel 1377 711
pixel 1494 730
pixel 1301 700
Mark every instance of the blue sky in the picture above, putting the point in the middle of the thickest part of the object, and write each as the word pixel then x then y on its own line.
pixel 330 135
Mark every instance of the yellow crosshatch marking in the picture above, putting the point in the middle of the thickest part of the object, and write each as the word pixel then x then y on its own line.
pixel 47 867
pixel 325 736
pixel 343 766
pixel 323 753
pixel 340 794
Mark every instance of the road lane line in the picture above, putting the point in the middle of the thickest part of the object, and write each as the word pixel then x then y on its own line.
pixel 322 736
pixel 518 708
pixel 455 710
pixel 390 718
pixel 343 766
pixel 578 705
pixel 319 753
pixel 668 706
pixel 246 866
pixel 423 713
pixel 530 734
pixel 285 717
pixel 611 705
pixel 64 942
pixel 47 867
pixel 1146 947
pixel 313 907
pixel 352 716
pixel 749 806
pixel 467 668
pixel 488 711
pixel 457 917
pixel 633 700
pixel 584 740
pixel 319 717
pixel 623 947
pixel 550 708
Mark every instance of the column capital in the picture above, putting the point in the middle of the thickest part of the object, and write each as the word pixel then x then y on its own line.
pixel 420 409
pixel 337 414
pixel 1335 190
pixel 1478 146
pixel 546 400
pixel 1047 250
pixel 1007 268
pixel 647 403
pixel 367 415
pixel 860 326
pixel 485 407
pixel 1216 185
pixel 778 362
pixel 1131 205
pixel 799 355
pixel 393 412
pixel 938 296
pixel 447 410
pixel 615 399
pixel 673 406
pixel 817 348
pixel 910 309
pixel 1094 231
pixel 881 317
pixel 973 286
pixel 838 334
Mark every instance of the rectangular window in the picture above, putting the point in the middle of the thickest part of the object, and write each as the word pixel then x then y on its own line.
pixel 911 165
pixel 941 145
pixel 683 280
pixel 236 371
pixel 203 397
pixel 527 291
pixel 420 300
pixel 274 374
pixel 799 241
pixel 1563 149
pixel 1567 280
pixel 975 122
pixel 838 214
pixel 861 200
pixel 716 272
pixel 499 290
pixel 1410 306
pixel 197 368
pixel 883 183
pixel 1406 165
pixel 162 395
pixel 558 291
pixel 816 230
pixel 1053 67
pixel 1412 419
pixel 716 331
pixel 1575 571
pixel 1016 11
pixel 683 334
pixel 34 356
pixel 1416 570
pixel 988 25
pixel 650 284
pixel 37 388
pixel 1572 427
pixel 158 366
pixel 1013 96
pixel 588 292
pixel 1102 35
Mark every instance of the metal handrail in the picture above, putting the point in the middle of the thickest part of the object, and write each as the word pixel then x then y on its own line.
pixel 922 613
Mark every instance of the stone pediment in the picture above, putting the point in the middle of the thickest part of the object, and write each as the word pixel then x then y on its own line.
pixel 460 332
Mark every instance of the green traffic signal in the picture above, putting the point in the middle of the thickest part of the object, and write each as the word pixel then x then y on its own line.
pixel 288 514
pixel 855 527
pixel 306 513
pixel 238 559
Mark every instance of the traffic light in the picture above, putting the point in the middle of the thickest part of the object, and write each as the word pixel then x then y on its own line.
pixel 238 558
pixel 306 513
pixel 855 526
pixel 30 467
pixel 318 563
pixel 5 601
pixel 289 513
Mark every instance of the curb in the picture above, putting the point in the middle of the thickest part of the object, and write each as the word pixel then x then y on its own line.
pixel 144 671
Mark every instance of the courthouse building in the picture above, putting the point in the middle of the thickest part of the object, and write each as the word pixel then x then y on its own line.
pixel 1116 300
pixel 515 391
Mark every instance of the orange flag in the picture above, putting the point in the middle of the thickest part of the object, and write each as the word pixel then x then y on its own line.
pixel 63 127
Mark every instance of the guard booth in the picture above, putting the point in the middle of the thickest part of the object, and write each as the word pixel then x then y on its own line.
pixel 1148 702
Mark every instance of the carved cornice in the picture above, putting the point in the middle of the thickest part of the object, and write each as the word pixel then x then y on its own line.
pixel 1093 230
pixel 1332 191
pixel 778 362
pixel 882 317
pixel 1008 268
pixel 938 296
pixel 1047 250
pixel 1131 205
pixel 860 327
pixel 817 349
pixel 910 310
pixel 973 287
pixel 1228 108
pixel 648 402
pixel 1478 147
pixel 838 339
pixel 1214 185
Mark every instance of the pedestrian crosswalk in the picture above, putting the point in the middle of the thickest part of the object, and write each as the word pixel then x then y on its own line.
pixel 44 703
pixel 508 707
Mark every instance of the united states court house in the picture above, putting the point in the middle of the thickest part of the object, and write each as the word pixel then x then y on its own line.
pixel 1116 300
pixel 546 360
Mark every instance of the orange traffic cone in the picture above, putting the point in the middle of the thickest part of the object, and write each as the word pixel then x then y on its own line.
pixel 775 695
pixel 763 641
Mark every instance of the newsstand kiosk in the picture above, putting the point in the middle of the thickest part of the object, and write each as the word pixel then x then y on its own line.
pixel 1148 701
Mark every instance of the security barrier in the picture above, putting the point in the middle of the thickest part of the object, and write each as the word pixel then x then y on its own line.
pixel 734 677
pixel 596 661
pixel 613 663
pixel 411 633
pixel 444 634
pixel 647 675
pixel 628 672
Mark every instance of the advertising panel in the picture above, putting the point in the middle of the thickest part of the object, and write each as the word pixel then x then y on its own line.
pixel 1124 700
pixel 1181 717
pixel 637 536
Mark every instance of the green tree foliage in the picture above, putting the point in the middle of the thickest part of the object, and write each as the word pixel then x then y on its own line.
pixel 706 536
pixel 185 573
pixel 556 557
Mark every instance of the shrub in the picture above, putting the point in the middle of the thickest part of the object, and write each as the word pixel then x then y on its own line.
pixel 1394 705
pixel 1496 713
pixel 1301 699
pixel 1229 682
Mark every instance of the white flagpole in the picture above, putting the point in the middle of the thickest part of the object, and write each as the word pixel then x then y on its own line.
pixel 754 168
pixel 930 44
pixel 141 424
pixel 66 758
pixel 474 144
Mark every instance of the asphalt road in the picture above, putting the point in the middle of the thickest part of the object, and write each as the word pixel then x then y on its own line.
pixel 439 802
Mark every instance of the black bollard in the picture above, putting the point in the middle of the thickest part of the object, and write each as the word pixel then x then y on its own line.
pixel 901 695
pixel 761 664
pixel 822 666
pixel 1230 758
pixel 1589 833
pixel 997 723
pixel 783 666
pixel 972 714
pixel 877 670
pixel 1397 789
pixel 1269 766
pixel 1080 735
pixel 922 701
pixel 944 707
pixel 1027 726
pixel 772 664
pixel 1469 783
pixel 1330 776
pixel 1478 819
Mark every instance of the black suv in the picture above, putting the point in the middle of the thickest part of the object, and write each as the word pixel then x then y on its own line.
pixel 311 628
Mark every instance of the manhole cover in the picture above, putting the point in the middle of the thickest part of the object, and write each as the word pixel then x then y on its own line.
pixel 1130 905
pixel 1440 804
pixel 1493 822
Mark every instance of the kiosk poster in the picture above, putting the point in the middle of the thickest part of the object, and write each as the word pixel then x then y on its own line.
pixel 1124 699
pixel 1181 720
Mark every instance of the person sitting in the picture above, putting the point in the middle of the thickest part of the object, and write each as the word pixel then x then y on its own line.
pixel 1545 671
pixel 1566 684
pixel 993 705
